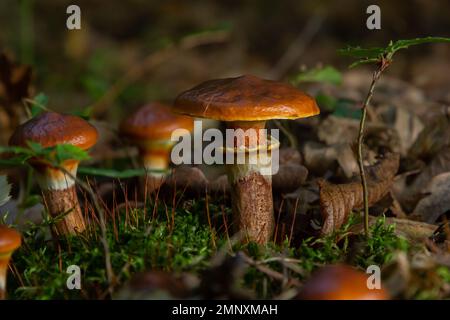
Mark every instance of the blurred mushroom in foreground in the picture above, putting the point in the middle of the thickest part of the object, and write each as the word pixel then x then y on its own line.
pixel 51 129
pixel 245 104
pixel 156 285
pixel 340 282
pixel 10 240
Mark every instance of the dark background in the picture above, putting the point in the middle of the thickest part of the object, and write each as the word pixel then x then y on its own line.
pixel 75 68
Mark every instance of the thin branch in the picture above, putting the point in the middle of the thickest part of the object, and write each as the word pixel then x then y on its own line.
pixel 270 272
pixel 376 76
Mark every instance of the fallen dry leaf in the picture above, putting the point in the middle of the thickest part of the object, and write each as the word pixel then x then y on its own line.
pixel 413 231
pixel 338 200
pixel 431 140
pixel 409 194
pixel 319 158
pixel 407 125
pixel 437 202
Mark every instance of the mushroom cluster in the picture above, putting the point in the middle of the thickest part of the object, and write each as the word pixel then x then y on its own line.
pixel 50 129
pixel 245 104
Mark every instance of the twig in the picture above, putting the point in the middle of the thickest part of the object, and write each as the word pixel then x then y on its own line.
pixel 376 76
pixel 270 272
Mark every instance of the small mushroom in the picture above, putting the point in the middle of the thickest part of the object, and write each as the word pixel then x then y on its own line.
pixel 340 282
pixel 150 128
pixel 50 129
pixel 247 102
pixel 10 240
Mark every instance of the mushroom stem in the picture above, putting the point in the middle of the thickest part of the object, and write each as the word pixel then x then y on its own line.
pixel 4 261
pixel 251 181
pixel 156 163
pixel 60 196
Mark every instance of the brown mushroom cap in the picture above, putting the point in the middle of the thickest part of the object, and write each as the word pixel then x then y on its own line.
pixel 340 282
pixel 10 239
pixel 51 128
pixel 154 121
pixel 245 98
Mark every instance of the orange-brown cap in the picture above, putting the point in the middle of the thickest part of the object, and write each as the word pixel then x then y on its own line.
pixel 340 282
pixel 245 98
pixel 154 121
pixel 10 239
pixel 51 128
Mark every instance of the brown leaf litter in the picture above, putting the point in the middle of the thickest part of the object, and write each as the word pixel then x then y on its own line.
pixel 338 200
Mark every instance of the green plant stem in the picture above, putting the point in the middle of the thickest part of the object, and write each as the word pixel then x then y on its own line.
pixel 375 78
pixel 292 139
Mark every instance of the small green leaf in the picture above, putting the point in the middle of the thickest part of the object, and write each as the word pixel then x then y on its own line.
pixel 70 152
pixel 36 147
pixel 38 104
pixel 376 54
pixel 404 44
pixel 85 113
pixel 15 150
pixel 326 102
pixel 326 74
pixel 14 162
pixel 362 53
pixel 366 61
pixel 41 99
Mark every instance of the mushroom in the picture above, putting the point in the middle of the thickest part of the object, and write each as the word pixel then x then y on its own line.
pixel 340 282
pixel 247 102
pixel 10 240
pixel 58 188
pixel 150 128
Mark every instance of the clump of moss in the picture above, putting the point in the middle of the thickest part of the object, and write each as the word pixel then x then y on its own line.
pixel 180 240
pixel 175 243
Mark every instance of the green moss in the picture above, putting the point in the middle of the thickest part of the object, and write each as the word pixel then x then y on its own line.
pixel 178 240
pixel 134 245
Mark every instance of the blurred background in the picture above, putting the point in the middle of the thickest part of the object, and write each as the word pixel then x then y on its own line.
pixel 130 52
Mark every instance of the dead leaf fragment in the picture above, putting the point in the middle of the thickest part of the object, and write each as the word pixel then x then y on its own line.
pixel 437 202
pixel 338 200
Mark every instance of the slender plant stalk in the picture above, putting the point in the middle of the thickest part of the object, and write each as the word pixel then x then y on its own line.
pixel 291 137
pixel 376 76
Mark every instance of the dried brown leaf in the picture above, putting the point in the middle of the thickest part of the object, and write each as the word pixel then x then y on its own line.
pixel 338 200
pixel 431 139
pixel 437 202
pixel 15 81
